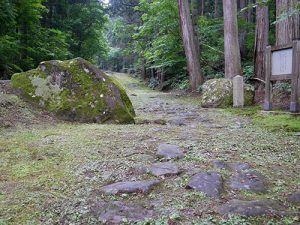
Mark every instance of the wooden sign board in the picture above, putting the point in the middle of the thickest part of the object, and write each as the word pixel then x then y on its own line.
pixel 283 63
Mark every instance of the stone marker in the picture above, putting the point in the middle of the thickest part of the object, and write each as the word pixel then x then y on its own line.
pixel 210 183
pixel 238 91
pixel 248 181
pixel 164 169
pixel 130 187
pixel 252 208
pixel 169 151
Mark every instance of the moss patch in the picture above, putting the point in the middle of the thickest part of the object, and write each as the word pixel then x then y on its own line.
pixel 75 90
pixel 289 123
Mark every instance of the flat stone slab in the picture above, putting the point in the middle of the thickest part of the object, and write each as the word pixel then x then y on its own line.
pixel 252 208
pixel 117 212
pixel 130 187
pixel 294 198
pixel 177 122
pixel 248 181
pixel 210 183
pixel 169 151
pixel 218 164
pixel 164 169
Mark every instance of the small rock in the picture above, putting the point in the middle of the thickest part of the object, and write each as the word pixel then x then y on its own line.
pixel 169 151
pixel 177 122
pixel 164 169
pixel 248 181
pixel 252 208
pixel 130 187
pixel 118 212
pixel 134 95
pixel 160 122
pixel 298 134
pixel 210 183
pixel 218 164
pixel 294 198
pixel 239 166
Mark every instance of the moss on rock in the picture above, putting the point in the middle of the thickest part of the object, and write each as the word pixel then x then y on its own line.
pixel 218 93
pixel 75 90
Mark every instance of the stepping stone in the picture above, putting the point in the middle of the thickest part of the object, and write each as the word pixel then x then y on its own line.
pixel 118 212
pixel 294 198
pixel 130 187
pixel 239 166
pixel 210 183
pixel 177 122
pixel 218 164
pixel 252 208
pixel 169 151
pixel 164 169
pixel 248 181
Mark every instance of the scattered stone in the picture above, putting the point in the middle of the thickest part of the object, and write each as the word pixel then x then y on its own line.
pixel 297 135
pixel 248 181
pixel 252 208
pixel 214 126
pixel 177 122
pixel 134 95
pixel 294 198
pixel 218 164
pixel 239 166
pixel 160 122
pixel 130 187
pixel 118 212
pixel 169 151
pixel 164 169
pixel 210 183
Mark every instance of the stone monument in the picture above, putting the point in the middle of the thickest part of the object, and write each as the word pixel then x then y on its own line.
pixel 238 91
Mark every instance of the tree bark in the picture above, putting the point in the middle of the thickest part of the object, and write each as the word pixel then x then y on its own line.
pixel 216 8
pixel 231 42
pixel 288 29
pixel 243 31
pixel 261 42
pixel 193 62
pixel 195 16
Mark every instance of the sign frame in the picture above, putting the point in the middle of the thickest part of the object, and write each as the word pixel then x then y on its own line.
pixel 294 76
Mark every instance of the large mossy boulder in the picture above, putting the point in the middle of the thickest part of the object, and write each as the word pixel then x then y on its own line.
pixel 75 90
pixel 218 93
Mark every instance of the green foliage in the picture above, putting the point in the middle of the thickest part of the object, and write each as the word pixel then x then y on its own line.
pixel 212 46
pixel 272 122
pixel 37 30
pixel 248 72
pixel 153 83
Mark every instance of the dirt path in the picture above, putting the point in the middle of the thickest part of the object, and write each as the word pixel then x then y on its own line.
pixel 55 174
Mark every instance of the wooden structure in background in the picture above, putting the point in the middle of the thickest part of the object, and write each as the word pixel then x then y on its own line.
pixel 283 63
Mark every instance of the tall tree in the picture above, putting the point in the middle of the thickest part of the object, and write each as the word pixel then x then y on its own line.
pixel 193 62
pixel 231 42
pixel 261 42
pixel 288 27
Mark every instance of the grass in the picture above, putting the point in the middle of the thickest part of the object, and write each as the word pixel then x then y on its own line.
pixel 52 173
pixel 273 122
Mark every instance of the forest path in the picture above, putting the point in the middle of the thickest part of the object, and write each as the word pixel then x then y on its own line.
pixel 53 174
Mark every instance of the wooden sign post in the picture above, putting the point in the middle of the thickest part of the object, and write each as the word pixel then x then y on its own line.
pixel 283 63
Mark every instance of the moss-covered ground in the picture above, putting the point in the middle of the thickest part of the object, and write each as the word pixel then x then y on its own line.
pixel 51 172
